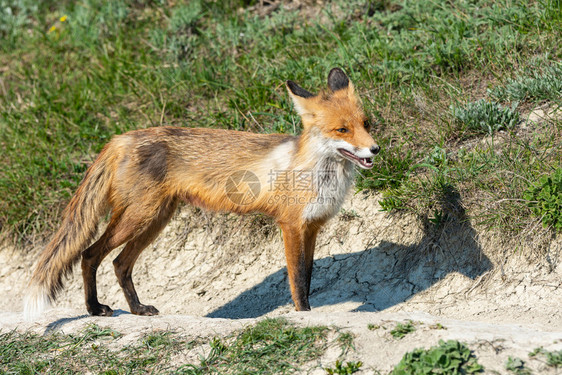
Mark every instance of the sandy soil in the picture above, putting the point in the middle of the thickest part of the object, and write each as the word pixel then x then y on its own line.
pixel 213 274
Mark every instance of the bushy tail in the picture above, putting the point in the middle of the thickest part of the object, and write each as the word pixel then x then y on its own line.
pixel 79 226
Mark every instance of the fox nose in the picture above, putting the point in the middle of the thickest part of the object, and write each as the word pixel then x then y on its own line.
pixel 375 149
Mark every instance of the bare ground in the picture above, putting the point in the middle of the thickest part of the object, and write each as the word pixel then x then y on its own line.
pixel 212 274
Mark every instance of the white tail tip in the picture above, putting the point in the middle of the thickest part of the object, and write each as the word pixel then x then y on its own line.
pixel 35 302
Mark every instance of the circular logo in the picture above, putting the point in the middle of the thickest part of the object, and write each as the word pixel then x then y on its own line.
pixel 242 187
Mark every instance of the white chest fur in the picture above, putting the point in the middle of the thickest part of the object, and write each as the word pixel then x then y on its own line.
pixel 332 179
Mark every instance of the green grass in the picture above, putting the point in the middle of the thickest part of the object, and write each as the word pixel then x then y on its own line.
pixel 272 346
pixel 545 199
pixel 73 74
pixel 87 351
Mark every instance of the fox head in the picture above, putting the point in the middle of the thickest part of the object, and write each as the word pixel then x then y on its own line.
pixel 337 118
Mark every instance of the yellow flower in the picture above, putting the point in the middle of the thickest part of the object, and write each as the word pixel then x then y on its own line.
pixel 53 28
pixel 63 18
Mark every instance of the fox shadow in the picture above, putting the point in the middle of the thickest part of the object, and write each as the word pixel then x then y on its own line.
pixel 381 276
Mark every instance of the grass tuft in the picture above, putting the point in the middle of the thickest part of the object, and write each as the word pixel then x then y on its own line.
pixel 485 117
pixel 534 86
pixel 273 346
pixel 545 199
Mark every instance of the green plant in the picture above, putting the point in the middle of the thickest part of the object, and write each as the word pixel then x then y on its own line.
pixel 538 84
pixel 517 366
pixel 344 369
pixel 553 358
pixel 545 199
pixel 437 326
pixel 438 218
pixel 448 358
pixel 391 202
pixel 402 330
pixel 485 117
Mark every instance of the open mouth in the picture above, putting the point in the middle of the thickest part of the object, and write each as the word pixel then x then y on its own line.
pixel 366 163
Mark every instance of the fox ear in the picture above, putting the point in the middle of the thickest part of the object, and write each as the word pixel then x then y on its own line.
pixel 299 97
pixel 337 80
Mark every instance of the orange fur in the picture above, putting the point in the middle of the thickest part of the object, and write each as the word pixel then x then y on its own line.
pixel 142 176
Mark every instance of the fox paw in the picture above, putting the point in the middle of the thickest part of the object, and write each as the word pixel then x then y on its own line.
pixel 145 310
pixel 100 310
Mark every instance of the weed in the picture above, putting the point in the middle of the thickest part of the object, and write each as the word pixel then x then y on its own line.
pixel 391 202
pixel 438 218
pixel 545 199
pixel 348 215
pixel 553 358
pixel 157 339
pixel 344 369
pixel 402 330
pixel 485 117
pixel 437 326
pixel 451 357
pixel 517 366
pixel 536 85
pixel 345 340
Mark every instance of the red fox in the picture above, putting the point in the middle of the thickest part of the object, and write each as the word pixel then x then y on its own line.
pixel 141 177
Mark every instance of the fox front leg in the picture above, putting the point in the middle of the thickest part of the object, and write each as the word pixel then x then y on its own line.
pixel 299 251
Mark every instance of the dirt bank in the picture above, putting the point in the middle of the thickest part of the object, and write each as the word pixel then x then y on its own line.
pixel 211 274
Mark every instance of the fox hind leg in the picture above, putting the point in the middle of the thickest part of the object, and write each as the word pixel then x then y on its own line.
pixel 125 261
pixel 116 234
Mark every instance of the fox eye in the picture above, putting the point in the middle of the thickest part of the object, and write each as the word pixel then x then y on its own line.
pixel 367 124
pixel 342 130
